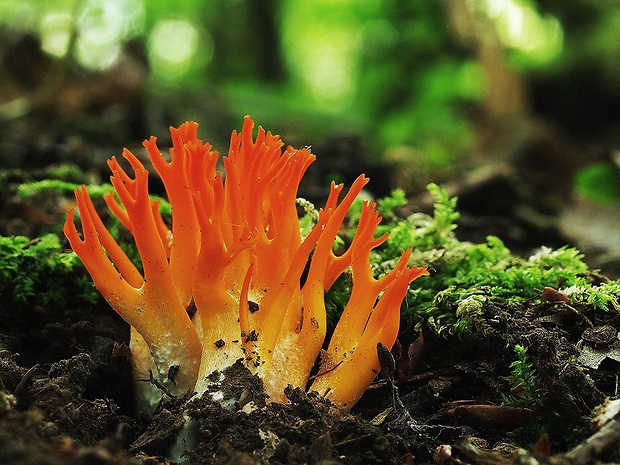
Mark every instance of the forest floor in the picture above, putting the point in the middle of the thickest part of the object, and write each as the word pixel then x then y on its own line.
pixel 66 390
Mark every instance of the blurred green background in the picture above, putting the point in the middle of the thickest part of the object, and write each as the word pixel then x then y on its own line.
pixel 426 88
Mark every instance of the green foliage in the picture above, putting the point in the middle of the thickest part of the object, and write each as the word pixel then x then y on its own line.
pixel 402 73
pixel 386 205
pixel 526 384
pixel 467 276
pixel 309 218
pixel 600 182
pixel 29 189
pixel 605 296
pixel 96 191
pixel 436 231
pixel 420 231
pixel 338 296
pixel 35 272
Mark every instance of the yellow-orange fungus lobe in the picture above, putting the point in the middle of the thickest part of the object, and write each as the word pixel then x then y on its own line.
pixel 228 269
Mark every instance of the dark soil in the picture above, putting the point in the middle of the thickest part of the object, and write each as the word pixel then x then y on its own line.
pixel 66 387
pixel 78 408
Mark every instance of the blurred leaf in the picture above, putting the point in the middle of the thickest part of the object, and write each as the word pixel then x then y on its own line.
pixel 600 182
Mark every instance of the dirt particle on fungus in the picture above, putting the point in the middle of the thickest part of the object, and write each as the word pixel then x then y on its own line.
pixel 252 336
pixel 253 306
pixel 214 376
pixel 219 343
pixel 191 308
pixel 173 371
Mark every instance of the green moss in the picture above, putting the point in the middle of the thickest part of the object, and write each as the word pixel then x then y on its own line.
pixel 466 276
pixel 526 383
pixel 36 272
pixel 96 191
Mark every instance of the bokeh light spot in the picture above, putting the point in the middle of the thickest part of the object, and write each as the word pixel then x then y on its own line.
pixel 172 45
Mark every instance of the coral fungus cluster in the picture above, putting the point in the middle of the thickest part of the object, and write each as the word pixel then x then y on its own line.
pixel 224 281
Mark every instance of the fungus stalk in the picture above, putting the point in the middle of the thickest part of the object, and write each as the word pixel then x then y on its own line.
pixel 223 282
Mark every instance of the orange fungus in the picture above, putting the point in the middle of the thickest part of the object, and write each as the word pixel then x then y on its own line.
pixel 223 282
